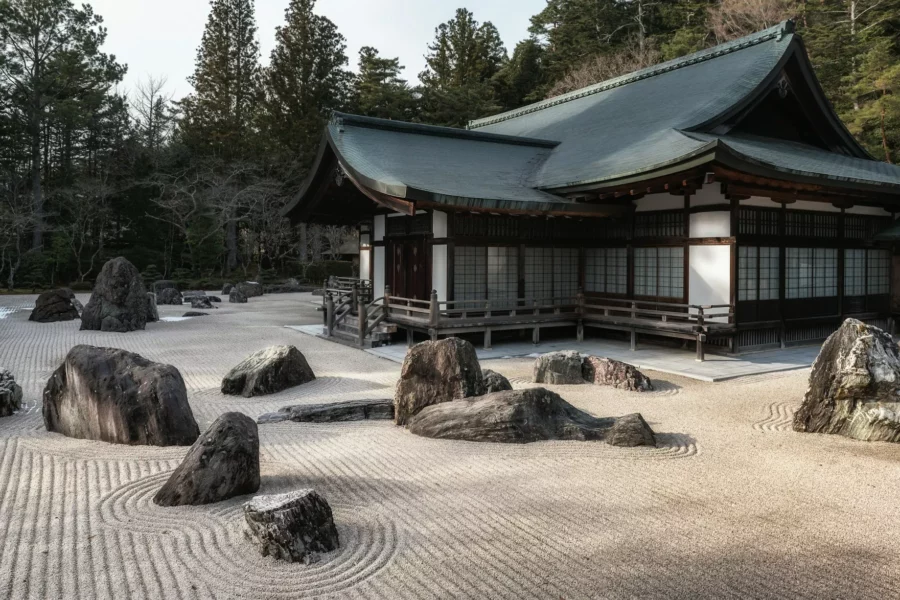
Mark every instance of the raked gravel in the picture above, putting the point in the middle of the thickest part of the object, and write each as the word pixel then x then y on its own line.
pixel 731 504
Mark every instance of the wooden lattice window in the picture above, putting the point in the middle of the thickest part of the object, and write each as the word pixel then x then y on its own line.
pixel 811 224
pixel 659 272
pixel 759 273
pixel 668 223
pixel 758 221
pixel 606 270
pixel 810 273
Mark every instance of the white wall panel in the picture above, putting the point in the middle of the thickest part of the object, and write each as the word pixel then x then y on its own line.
pixel 439 224
pixel 379 228
pixel 710 224
pixel 439 270
pixel 710 193
pixel 364 264
pixel 710 275
pixel 378 275
pixel 658 202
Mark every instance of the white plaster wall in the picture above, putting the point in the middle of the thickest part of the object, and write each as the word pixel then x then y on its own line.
pixel 364 264
pixel 868 210
pixel 810 205
pixel 378 275
pixel 439 224
pixel 439 270
pixel 710 193
pixel 658 202
pixel 709 279
pixel 710 224
pixel 378 234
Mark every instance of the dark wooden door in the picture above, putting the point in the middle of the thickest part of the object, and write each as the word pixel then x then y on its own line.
pixel 410 272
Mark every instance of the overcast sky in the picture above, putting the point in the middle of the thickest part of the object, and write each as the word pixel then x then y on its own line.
pixel 160 37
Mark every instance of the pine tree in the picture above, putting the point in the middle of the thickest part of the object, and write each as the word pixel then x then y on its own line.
pixel 456 85
pixel 305 81
pixel 219 118
pixel 380 92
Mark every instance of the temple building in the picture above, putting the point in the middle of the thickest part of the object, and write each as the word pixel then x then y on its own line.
pixel 716 198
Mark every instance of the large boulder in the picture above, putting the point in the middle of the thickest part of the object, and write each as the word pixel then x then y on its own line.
pixel 164 284
pixel 152 311
pixel 268 371
pixel 201 302
pixel 169 296
pixel 435 372
pixel 236 297
pixel 116 396
pixel 350 410
pixel 55 305
pixel 606 371
pixel 10 394
pixel 495 382
pixel 250 288
pixel 561 368
pixel 119 300
pixel 222 463
pixel 854 386
pixel 517 416
pixel 291 526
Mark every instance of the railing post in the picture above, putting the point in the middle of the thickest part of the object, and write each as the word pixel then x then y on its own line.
pixel 354 296
pixel 363 323
pixel 329 315
pixel 387 301
pixel 700 334
pixel 579 311
pixel 433 309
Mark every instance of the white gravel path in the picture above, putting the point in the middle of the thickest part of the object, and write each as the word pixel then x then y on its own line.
pixel 732 504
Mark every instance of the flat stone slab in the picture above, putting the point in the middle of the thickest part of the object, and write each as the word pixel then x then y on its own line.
pixel 352 410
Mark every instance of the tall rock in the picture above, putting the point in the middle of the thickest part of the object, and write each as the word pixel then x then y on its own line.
pixel 120 397
pixel 854 386
pixel 10 394
pixel 119 300
pixel 436 372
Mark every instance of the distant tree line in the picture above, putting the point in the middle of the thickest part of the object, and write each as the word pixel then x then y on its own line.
pixel 193 187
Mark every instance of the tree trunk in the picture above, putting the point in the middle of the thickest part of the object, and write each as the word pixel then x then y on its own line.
pixel 231 259
pixel 38 201
pixel 304 255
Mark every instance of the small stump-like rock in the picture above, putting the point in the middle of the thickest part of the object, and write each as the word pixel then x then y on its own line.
pixel 268 371
pixel 222 463
pixel 55 305
pixel 351 410
pixel 152 311
pixel 120 397
pixel 435 372
pixel 495 382
pixel 250 288
pixel 606 371
pixel 631 430
pixel 214 299
pixel 561 368
pixel 236 297
pixel 169 296
pixel 164 284
pixel 854 386
pixel 291 526
pixel 119 300
pixel 201 302
pixel 10 394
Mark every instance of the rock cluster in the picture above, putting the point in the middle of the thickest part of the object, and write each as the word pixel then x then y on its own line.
pixel 268 371
pixel 201 302
pixel 169 296
pixel 56 305
pixel 291 526
pixel 522 416
pixel 10 394
pixel 119 300
pixel 221 464
pixel 120 397
pixel 854 386
pixel 351 410
pixel 569 367
pixel 436 372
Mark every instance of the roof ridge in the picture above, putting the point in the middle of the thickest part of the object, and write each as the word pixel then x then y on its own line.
pixel 339 119
pixel 775 32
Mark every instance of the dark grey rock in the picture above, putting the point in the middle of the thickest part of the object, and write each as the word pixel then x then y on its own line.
pixel 236 297
pixel 169 296
pixel 631 430
pixel 120 397
pixel 222 463
pixel 119 300
pixel 517 416
pixel 164 284
pixel 854 386
pixel 250 288
pixel 10 394
pixel 195 313
pixel 268 371
pixel 495 382
pixel 351 410
pixel 561 368
pixel 54 306
pixel 435 372
pixel 291 526
pixel 606 371
pixel 201 302
pixel 152 311
pixel 226 289
pixel 214 299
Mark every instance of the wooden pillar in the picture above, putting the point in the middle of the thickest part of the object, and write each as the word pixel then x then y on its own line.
pixel 363 322
pixel 329 315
